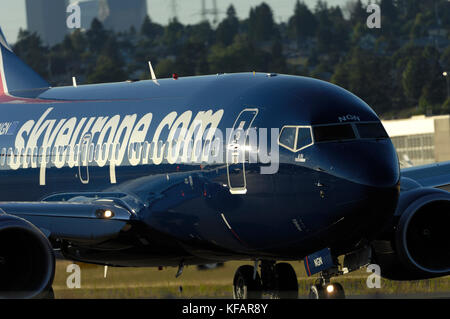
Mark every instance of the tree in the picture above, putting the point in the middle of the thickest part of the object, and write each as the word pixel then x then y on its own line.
pixel 200 33
pixel 30 49
pixel 238 57
pixel 445 58
pixel 97 36
pixel 358 13
pixel 151 30
pixel 302 24
pixel 165 68
pixel 408 8
pixel 69 57
pixel 389 11
pixel 192 60
pixel 277 60
pixel 435 82
pixel 106 70
pixel 361 75
pixel 332 31
pixel 228 28
pixel 261 26
pixel 173 36
pixel 446 107
pixel 414 78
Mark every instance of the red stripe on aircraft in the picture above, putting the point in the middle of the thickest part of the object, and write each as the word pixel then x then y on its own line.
pixel 307 267
pixel 2 90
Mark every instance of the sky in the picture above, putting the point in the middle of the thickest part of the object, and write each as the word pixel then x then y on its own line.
pixel 13 14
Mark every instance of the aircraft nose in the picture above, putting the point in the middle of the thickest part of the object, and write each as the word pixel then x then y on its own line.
pixel 371 163
pixel 366 175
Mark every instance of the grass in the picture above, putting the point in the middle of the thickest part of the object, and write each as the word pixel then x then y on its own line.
pixel 217 283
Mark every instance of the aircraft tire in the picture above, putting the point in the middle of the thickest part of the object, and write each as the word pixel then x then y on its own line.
pixel 337 293
pixel 47 294
pixel 317 292
pixel 321 292
pixel 286 282
pixel 244 286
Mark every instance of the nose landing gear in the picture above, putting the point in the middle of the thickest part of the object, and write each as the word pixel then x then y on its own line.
pixel 324 289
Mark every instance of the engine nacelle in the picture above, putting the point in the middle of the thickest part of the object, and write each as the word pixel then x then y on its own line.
pixel 27 261
pixel 417 244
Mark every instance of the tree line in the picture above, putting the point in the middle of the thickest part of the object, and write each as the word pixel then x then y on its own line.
pixel 397 69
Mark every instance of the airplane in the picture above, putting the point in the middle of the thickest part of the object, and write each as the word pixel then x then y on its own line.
pixel 126 174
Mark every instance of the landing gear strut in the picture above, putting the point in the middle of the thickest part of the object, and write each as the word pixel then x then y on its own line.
pixel 324 289
pixel 279 281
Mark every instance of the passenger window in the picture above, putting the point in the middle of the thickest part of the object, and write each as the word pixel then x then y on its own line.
pixel 91 153
pixel 145 151
pixel 110 152
pixel 97 152
pixel 3 157
pixel 287 137
pixel 303 137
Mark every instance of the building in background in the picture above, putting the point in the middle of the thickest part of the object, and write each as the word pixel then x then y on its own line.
pixel 48 19
pixel 117 15
pixel 121 15
pixel 420 139
pixel 89 11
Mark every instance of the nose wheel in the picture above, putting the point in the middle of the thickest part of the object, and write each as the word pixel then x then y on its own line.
pixel 323 289
pixel 331 291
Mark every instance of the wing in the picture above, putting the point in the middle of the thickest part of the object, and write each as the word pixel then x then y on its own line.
pixel 431 175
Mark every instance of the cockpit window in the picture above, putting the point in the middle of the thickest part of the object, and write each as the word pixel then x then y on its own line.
pixel 295 138
pixel 304 137
pixel 371 130
pixel 298 137
pixel 328 133
pixel 287 137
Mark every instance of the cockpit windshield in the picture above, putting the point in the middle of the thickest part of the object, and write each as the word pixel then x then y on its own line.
pixel 296 138
pixel 328 133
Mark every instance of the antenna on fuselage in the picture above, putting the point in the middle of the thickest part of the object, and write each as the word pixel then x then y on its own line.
pixel 154 79
pixel 74 81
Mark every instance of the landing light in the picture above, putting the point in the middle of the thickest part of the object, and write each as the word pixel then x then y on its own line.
pixel 330 289
pixel 105 214
pixel 108 214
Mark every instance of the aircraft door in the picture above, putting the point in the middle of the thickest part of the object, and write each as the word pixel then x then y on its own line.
pixel 83 158
pixel 236 151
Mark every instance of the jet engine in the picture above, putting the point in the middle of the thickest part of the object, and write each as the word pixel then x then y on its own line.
pixel 27 261
pixel 416 245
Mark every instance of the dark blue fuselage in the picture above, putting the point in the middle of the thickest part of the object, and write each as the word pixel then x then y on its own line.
pixel 333 193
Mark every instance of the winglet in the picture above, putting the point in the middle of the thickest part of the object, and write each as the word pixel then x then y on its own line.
pixel 154 79
pixel 15 75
